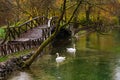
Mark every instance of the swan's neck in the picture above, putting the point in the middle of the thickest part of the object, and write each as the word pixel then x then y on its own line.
pixel 74 46
pixel 57 55
pixel 49 21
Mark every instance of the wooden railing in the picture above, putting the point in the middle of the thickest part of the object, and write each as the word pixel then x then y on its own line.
pixel 12 47
pixel 14 32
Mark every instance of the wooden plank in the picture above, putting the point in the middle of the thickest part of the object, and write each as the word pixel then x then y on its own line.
pixel 10 48
pixel 4 49
pixel 14 29
pixel 12 33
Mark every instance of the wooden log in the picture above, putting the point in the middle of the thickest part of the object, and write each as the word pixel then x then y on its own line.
pixel 23 45
pixel 14 47
pixel 29 25
pixel 37 42
pixel 19 30
pixel 1 50
pixel 17 47
pixel 40 41
pixel 33 43
pixel 12 33
pixel 26 27
pixel 8 49
pixel 37 22
pixel 33 24
pixel 17 33
pixel 30 44
pixel 40 21
pixel 27 44
pixel 4 49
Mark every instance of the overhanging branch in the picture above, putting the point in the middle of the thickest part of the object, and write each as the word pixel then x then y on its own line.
pixel 99 7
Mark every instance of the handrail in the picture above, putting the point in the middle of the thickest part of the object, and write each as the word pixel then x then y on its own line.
pixel 30 20
pixel 14 32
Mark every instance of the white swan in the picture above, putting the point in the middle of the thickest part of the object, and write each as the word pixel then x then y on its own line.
pixel 49 21
pixel 59 58
pixel 71 50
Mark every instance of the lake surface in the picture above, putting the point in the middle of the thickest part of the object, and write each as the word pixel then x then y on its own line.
pixel 100 60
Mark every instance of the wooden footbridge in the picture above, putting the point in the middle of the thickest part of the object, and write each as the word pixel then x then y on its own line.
pixel 27 35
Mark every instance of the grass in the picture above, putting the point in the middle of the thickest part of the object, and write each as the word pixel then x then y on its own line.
pixel 2 33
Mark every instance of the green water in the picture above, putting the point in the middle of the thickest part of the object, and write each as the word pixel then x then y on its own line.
pixel 101 63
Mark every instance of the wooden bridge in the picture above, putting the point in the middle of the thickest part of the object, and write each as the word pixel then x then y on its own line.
pixel 33 32
pixel 27 35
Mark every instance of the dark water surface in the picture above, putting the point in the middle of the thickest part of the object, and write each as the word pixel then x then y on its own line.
pixel 101 63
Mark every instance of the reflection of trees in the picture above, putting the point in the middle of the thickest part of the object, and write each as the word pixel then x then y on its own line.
pixel 105 69
pixel 117 35
pixel 89 67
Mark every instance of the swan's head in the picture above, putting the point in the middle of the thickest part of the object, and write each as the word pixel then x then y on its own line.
pixel 51 18
pixel 57 54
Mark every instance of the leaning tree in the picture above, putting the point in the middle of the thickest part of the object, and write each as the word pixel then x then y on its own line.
pixel 58 27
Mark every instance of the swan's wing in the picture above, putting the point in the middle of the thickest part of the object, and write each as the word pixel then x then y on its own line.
pixel 69 48
pixel 64 57
pixel 60 58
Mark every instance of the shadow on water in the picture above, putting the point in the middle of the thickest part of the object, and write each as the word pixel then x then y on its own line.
pixel 89 63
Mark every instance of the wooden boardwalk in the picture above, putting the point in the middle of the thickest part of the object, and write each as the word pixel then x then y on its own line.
pixel 31 34
pixel 26 36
